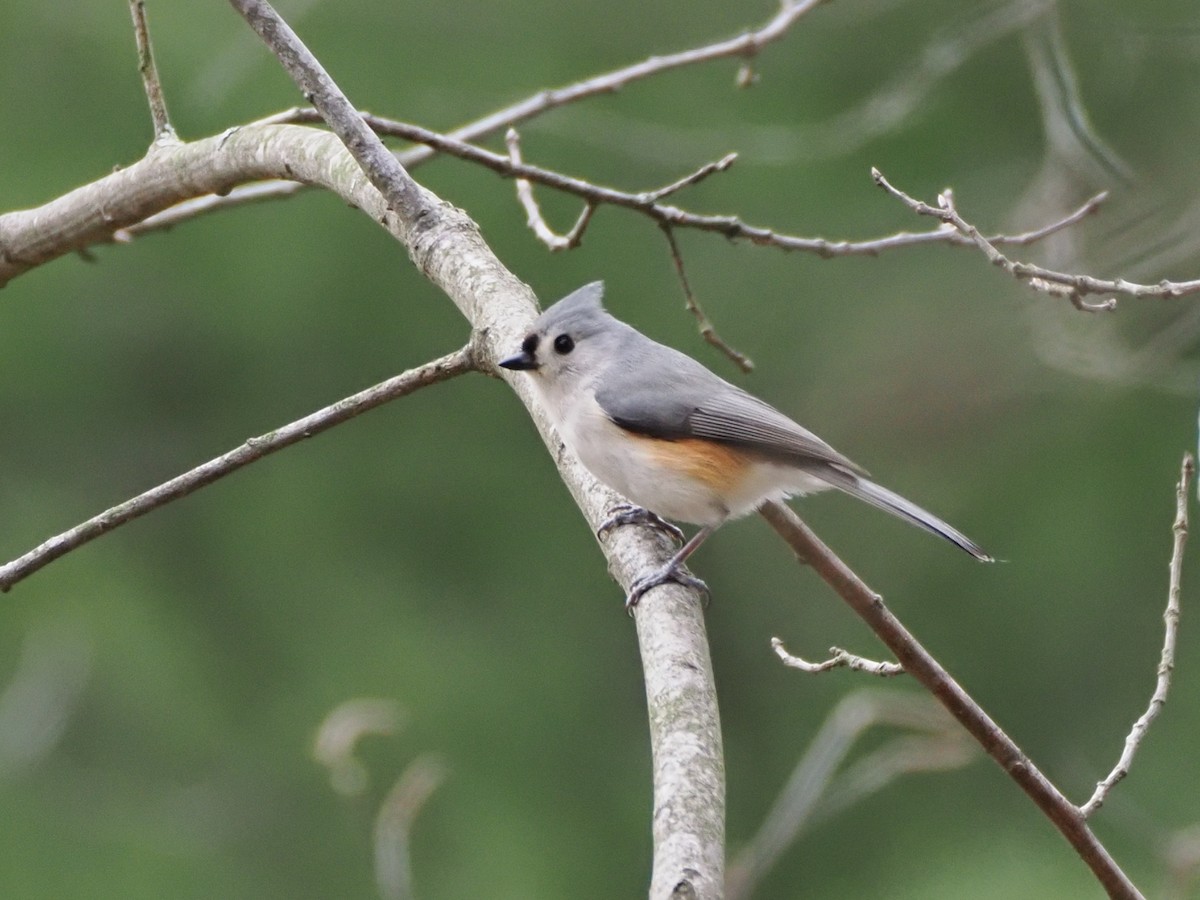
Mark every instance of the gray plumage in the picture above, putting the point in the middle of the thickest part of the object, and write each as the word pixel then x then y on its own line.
pixel 580 353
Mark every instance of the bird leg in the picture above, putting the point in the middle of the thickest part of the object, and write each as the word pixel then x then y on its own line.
pixel 628 514
pixel 672 570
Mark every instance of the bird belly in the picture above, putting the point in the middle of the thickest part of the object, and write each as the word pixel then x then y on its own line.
pixel 688 479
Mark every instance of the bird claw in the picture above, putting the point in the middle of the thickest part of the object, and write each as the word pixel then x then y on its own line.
pixel 660 576
pixel 628 514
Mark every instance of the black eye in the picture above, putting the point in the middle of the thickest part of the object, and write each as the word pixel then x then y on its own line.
pixel 563 344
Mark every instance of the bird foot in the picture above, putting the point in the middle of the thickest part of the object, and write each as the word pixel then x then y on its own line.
pixel 628 514
pixel 671 571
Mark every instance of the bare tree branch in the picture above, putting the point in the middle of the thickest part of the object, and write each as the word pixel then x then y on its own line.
pixel 695 178
pixel 731 227
pixel 404 196
pixel 252 450
pixel 163 132
pixel 1166 663
pixel 707 330
pixel 1061 284
pixel 745 46
pixel 533 213
pixel 445 246
pixel 838 659
pixel 689 778
pixel 121 205
pixel 917 661
pixel 448 249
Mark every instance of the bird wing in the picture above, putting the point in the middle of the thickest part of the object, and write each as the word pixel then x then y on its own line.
pixel 667 394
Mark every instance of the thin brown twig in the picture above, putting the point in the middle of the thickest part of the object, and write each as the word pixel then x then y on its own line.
pixel 163 132
pixel 695 178
pixel 16 257
pixel 1090 206
pixel 1063 284
pixel 1166 662
pixel 533 213
pixel 745 46
pixel 838 659
pixel 731 227
pixel 707 330
pixel 252 450
pixel 918 662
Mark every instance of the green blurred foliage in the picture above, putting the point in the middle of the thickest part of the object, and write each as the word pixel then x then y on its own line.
pixel 427 554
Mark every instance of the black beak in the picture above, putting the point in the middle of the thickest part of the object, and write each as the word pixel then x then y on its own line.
pixel 520 362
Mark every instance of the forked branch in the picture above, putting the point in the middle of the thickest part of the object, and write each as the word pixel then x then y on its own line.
pixel 1071 286
pixel 918 662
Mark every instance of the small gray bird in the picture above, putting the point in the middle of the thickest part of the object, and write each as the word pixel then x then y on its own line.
pixel 673 437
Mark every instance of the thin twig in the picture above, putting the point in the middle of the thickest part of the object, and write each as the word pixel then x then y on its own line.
pixel 1064 284
pixel 534 219
pixel 929 672
pixel 744 46
pixel 838 659
pixel 243 195
pixel 23 242
pixel 163 132
pixel 695 178
pixel 731 227
pixel 707 330
pixel 1166 662
pixel 252 450
pixel 1091 205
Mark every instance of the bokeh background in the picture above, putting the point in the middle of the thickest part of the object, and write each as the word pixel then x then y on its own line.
pixel 160 689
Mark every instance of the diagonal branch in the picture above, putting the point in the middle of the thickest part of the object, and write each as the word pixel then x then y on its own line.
pixel 382 169
pixel 252 450
pixel 745 46
pixel 1166 663
pixel 689 778
pixel 708 331
pixel 929 672
pixel 163 132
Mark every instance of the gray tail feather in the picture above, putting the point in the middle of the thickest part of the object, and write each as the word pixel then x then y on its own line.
pixel 886 500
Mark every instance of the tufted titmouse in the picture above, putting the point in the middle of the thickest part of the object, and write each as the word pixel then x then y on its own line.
pixel 660 428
